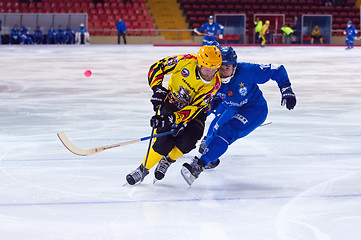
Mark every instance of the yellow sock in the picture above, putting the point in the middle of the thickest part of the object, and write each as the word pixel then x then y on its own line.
pixel 175 154
pixel 153 158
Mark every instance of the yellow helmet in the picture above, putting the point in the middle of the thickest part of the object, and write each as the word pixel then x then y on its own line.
pixel 209 57
pixel 267 22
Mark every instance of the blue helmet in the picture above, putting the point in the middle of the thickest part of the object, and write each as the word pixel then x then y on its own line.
pixel 349 23
pixel 229 56
pixel 215 43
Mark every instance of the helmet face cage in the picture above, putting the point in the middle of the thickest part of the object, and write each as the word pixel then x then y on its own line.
pixel 229 56
pixel 209 57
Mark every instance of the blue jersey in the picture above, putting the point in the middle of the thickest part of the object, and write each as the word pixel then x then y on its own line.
pixel 82 30
pixel 15 33
pixel 211 32
pixel 351 32
pixel 121 27
pixel 243 88
pixel 239 106
pixel 38 34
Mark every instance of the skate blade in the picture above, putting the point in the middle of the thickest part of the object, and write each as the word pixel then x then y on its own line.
pixel 187 175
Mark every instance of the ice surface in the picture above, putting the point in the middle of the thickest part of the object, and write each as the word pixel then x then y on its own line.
pixel 298 178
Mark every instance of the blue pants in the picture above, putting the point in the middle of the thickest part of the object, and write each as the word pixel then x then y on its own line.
pixel 230 126
pixel 208 40
pixel 349 41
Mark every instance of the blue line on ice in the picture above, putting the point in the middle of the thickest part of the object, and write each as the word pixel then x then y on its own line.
pixel 176 200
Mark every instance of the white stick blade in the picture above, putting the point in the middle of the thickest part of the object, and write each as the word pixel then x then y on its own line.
pixel 64 139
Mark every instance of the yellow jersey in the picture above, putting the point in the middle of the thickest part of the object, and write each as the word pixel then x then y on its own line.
pixel 264 30
pixel 316 32
pixel 187 91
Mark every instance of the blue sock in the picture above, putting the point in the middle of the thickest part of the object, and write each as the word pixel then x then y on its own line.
pixel 216 148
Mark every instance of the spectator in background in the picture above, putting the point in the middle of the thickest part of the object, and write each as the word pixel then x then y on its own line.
pixel 316 35
pixel 257 28
pixel 264 33
pixel 15 37
pixel 38 36
pixel 287 33
pixel 59 35
pixel 25 36
pixel 211 29
pixel 51 38
pixel 297 29
pixel 68 36
pixel 82 36
pixel 122 28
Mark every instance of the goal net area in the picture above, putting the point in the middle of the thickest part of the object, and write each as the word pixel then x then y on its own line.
pixel 276 22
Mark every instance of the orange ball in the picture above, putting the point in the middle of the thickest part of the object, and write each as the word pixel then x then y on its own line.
pixel 87 73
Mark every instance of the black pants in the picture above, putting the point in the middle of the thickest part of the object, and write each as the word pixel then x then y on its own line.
pixel 123 35
pixel 184 142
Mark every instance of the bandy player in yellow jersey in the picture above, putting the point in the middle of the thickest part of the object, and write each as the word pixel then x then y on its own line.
pixel 183 107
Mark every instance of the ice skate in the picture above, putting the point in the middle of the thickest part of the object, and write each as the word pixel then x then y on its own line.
pixel 212 165
pixel 190 172
pixel 137 175
pixel 162 168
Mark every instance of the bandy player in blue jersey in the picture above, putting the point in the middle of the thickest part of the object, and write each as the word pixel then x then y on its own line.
pixel 239 108
pixel 350 33
pixel 211 28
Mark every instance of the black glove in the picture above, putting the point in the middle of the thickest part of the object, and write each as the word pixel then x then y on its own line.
pixel 177 129
pixel 162 121
pixel 288 97
pixel 159 94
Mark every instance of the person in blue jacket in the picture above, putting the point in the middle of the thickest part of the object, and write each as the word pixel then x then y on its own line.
pixel 350 33
pixel 82 36
pixel 211 31
pixel 51 37
pixel 38 36
pixel 60 35
pixel 25 36
pixel 239 108
pixel 68 36
pixel 15 37
pixel 122 28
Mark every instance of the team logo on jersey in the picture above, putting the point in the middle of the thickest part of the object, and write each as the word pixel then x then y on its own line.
pixel 230 93
pixel 185 72
pixel 172 61
pixel 243 89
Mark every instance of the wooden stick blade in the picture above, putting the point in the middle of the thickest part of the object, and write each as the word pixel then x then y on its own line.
pixel 72 148
pixel 85 152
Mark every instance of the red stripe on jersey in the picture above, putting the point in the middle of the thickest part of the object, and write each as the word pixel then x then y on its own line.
pixel 217 85
pixel 160 77
pixel 150 72
pixel 184 114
